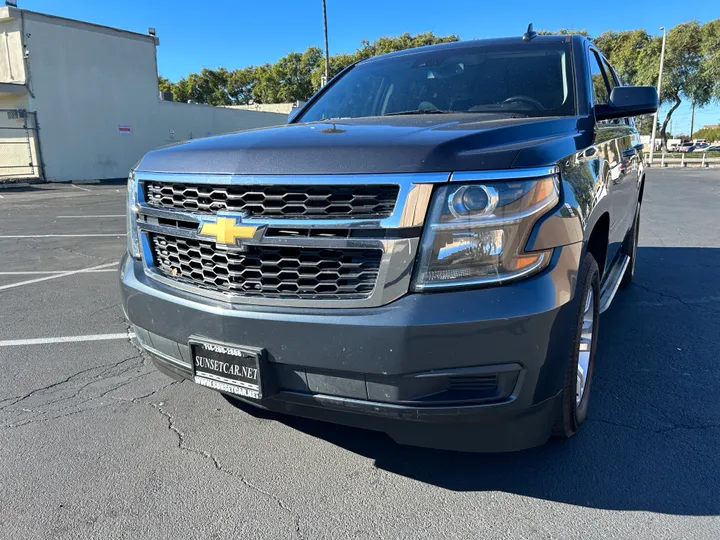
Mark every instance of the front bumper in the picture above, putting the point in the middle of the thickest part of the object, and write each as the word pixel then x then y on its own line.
pixel 420 369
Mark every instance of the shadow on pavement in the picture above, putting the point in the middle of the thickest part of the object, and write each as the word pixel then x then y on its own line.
pixel 652 438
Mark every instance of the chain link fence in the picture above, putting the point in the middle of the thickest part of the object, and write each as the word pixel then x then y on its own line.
pixel 19 145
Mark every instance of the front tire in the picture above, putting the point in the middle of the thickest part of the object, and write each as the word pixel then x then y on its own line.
pixel 580 365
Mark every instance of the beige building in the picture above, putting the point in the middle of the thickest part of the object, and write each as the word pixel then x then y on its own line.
pixel 80 101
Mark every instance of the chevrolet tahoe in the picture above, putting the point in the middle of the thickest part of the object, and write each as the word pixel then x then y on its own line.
pixel 424 249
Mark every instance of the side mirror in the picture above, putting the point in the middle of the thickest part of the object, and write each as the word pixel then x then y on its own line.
pixel 628 101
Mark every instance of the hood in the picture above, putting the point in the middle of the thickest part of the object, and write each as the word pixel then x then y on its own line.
pixel 407 144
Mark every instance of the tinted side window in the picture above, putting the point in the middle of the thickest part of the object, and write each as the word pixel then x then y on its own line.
pixel 611 75
pixel 601 91
pixel 614 81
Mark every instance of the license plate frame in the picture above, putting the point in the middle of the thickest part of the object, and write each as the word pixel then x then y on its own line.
pixel 227 368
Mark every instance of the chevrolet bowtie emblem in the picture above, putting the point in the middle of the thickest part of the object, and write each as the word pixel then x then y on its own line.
pixel 226 230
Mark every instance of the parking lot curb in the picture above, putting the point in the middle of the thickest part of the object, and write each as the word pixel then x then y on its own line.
pixel 17 184
pixel 24 184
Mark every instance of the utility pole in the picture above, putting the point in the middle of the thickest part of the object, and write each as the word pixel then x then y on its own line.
pixel 692 122
pixel 659 87
pixel 327 54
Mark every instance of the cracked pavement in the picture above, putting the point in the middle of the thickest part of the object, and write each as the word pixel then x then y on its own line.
pixel 95 443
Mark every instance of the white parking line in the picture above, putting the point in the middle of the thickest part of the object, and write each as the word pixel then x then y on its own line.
pixel 60 235
pixel 55 276
pixel 82 217
pixel 46 272
pixel 65 339
pixel 78 187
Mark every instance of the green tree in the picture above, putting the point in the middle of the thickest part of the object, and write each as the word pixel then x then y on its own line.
pixel 405 41
pixel 296 76
pixel 381 45
pixel 709 134
pixel 691 72
pixel 685 72
pixel 626 51
pixel 181 90
pixel 338 62
pixel 241 85
pixel 563 32
pixel 165 85
pixel 267 88
pixel 210 86
pixel 293 74
pixel 710 49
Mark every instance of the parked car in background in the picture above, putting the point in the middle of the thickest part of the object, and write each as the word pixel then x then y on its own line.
pixel 686 147
pixel 673 144
pixel 713 148
pixel 701 147
pixel 425 249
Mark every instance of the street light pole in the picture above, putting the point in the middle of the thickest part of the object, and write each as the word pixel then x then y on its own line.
pixel 327 55
pixel 659 87
pixel 692 122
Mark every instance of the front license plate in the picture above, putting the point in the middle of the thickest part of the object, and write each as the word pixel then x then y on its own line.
pixel 234 370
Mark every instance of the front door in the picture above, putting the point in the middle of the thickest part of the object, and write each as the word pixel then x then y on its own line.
pixel 614 140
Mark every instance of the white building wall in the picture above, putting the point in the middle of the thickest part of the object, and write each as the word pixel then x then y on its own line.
pixel 92 84
pixel 15 152
pixel 12 66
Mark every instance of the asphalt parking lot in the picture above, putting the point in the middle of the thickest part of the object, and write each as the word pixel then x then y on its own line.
pixel 94 443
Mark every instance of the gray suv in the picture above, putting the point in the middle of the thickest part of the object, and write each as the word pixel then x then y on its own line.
pixel 425 249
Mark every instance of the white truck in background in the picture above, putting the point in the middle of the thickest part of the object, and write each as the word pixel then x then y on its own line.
pixel 672 144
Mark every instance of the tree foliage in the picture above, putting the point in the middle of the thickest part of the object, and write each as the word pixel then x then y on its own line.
pixel 563 32
pixel 691 70
pixel 711 134
pixel 296 76
pixel 626 52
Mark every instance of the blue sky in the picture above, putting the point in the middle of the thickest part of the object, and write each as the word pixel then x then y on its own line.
pixel 237 33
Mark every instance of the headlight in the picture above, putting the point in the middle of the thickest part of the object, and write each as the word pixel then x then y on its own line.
pixel 476 233
pixel 133 238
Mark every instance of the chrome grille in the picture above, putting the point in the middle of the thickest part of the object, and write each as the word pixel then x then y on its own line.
pixel 279 201
pixel 269 271
pixel 321 241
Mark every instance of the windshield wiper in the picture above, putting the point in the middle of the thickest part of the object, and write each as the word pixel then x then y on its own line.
pixel 417 111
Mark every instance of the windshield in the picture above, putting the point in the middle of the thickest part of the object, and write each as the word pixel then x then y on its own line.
pixel 528 79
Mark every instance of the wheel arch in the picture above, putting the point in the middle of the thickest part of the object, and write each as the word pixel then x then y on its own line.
pixel 598 239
